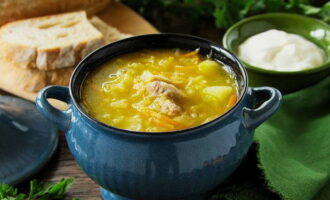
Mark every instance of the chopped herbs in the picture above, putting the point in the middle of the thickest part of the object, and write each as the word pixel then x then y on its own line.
pixel 227 12
pixel 38 191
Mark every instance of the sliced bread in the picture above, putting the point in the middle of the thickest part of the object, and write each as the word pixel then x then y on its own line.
pixel 110 33
pixel 15 78
pixel 50 42
pixel 11 10
pixel 32 80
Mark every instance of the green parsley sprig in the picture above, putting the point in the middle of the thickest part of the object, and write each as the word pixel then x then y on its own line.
pixel 38 191
pixel 227 12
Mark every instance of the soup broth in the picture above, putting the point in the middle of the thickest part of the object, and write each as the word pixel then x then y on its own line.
pixel 159 90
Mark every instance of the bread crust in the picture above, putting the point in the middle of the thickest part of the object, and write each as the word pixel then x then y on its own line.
pixel 110 33
pixel 46 58
pixel 11 10
pixel 32 80
pixel 18 76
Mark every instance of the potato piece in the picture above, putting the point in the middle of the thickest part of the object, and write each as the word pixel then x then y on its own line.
pixel 135 123
pixel 146 76
pixel 119 104
pixel 127 79
pixel 209 67
pixel 219 93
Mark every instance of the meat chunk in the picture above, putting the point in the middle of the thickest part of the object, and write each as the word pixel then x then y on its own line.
pixel 158 88
pixel 166 106
pixel 167 97
pixel 160 78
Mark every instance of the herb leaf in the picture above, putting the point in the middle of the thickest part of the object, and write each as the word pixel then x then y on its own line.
pixel 9 193
pixel 38 191
pixel 227 12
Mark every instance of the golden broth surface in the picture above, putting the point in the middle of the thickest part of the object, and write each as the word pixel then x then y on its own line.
pixel 159 90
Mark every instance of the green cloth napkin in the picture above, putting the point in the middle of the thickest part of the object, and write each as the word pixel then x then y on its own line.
pixel 292 152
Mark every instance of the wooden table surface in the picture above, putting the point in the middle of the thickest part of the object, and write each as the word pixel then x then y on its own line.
pixel 62 164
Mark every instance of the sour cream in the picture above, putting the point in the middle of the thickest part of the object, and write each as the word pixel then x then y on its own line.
pixel 281 51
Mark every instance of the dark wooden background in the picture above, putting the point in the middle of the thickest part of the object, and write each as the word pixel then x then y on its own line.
pixel 63 165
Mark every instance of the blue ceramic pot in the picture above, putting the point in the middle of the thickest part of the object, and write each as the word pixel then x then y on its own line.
pixel 185 164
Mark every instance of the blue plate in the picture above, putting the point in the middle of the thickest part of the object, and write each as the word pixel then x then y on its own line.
pixel 27 140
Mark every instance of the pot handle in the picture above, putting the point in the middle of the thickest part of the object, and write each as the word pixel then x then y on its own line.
pixel 264 101
pixel 58 117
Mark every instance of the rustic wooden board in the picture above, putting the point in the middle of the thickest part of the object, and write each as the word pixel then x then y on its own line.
pixel 126 20
pixel 117 15
pixel 63 164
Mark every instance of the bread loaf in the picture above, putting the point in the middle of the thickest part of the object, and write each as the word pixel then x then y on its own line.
pixel 110 33
pixel 32 80
pixel 49 42
pixel 11 10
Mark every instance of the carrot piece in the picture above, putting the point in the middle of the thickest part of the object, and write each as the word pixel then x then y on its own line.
pixel 169 120
pixel 158 118
pixel 161 124
pixel 192 53
pixel 148 113
pixel 232 100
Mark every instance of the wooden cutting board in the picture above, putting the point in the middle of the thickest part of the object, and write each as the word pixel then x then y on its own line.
pixel 117 15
